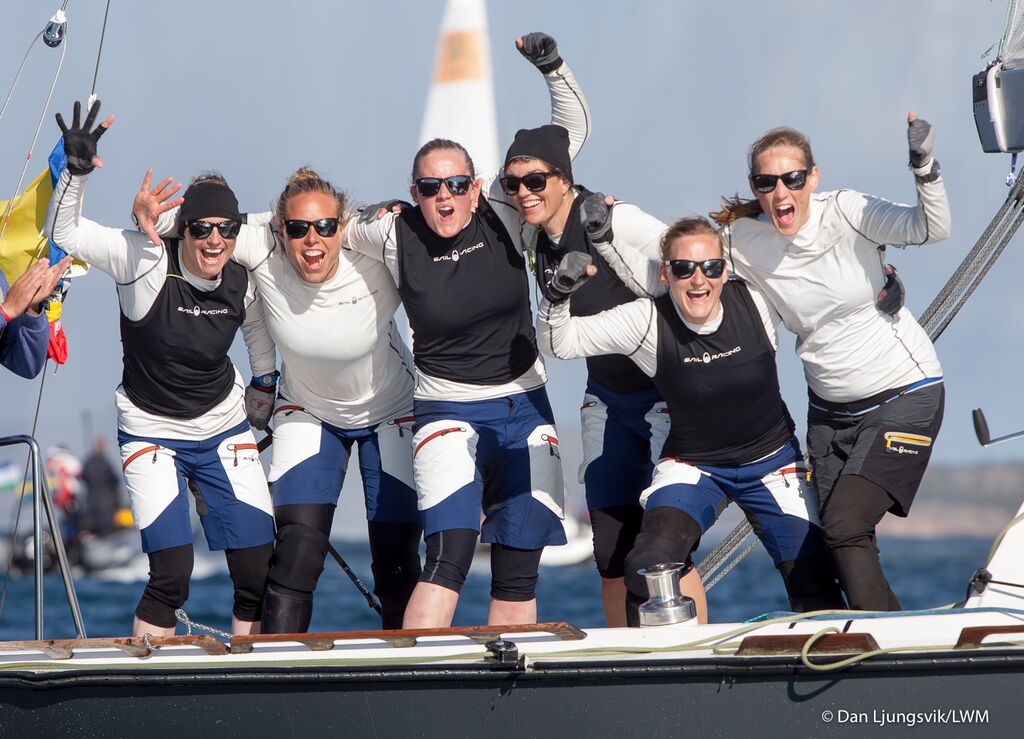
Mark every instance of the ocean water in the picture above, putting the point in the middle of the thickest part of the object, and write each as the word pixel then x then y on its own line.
pixel 923 573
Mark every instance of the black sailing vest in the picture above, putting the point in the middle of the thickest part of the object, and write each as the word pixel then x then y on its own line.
pixel 176 357
pixel 467 299
pixel 604 290
pixel 722 389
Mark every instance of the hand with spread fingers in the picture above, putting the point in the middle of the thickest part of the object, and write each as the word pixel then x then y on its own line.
pixel 151 202
pixel 575 269
pixel 80 142
pixel 33 287
pixel 541 50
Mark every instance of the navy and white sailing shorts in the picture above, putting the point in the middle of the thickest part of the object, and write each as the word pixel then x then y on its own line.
pixel 235 508
pixel 773 492
pixel 310 459
pixel 497 456
pixel 623 434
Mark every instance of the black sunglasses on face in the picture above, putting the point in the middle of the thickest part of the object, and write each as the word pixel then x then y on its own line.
pixel 794 180
pixel 684 268
pixel 535 181
pixel 428 187
pixel 297 229
pixel 202 229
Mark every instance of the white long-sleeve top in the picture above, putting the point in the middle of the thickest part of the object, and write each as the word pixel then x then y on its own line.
pixel 139 268
pixel 342 359
pixel 630 329
pixel 377 239
pixel 823 282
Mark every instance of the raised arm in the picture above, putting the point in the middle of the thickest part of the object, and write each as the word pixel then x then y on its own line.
pixel 374 237
pixel 886 222
pixel 569 107
pixel 24 330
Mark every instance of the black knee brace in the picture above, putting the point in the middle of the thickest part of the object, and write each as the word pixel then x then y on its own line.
pixel 167 589
pixel 449 556
pixel 615 530
pixel 300 546
pixel 514 573
pixel 811 584
pixel 395 549
pixel 248 569
pixel 666 535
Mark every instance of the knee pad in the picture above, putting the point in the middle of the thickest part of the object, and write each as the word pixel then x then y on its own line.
pixel 667 535
pixel 615 530
pixel 298 559
pixel 285 611
pixel 167 590
pixel 514 573
pixel 811 584
pixel 395 549
pixel 449 556
pixel 248 569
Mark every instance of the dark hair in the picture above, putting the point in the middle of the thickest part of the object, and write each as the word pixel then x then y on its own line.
pixel 736 207
pixel 689 226
pixel 437 145
pixel 306 180
pixel 209 175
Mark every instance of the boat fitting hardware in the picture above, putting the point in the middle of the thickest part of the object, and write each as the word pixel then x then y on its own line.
pixel 666 605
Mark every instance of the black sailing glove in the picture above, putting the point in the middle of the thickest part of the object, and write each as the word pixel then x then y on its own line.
pixel 368 213
pixel 568 277
pixel 892 295
pixel 921 140
pixel 79 141
pixel 541 50
pixel 596 217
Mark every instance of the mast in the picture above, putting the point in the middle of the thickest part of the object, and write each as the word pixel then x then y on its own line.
pixel 460 104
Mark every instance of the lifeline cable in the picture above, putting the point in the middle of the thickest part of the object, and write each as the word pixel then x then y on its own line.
pixel 936 317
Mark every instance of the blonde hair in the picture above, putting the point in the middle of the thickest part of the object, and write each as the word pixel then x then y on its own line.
pixel 306 180
pixel 690 226
pixel 736 207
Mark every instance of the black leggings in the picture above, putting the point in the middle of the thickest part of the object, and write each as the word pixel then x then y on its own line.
pixel 615 531
pixel 302 543
pixel 450 554
pixel 849 519
pixel 171 569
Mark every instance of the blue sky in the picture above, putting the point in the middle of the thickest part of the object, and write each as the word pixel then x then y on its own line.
pixel 678 90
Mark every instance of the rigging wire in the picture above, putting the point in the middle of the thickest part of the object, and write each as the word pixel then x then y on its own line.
pixel 99 54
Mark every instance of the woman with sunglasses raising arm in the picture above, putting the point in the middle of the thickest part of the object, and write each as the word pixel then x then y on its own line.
pixel 623 418
pixel 180 403
pixel 708 345
pixel 346 383
pixel 485 435
pixel 874 380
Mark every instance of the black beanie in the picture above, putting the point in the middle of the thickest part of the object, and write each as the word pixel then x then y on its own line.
pixel 548 143
pixel 208 199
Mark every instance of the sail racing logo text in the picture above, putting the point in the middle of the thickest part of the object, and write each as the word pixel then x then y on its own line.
pixel 708 358
pixel 901 443
pixel 197 311
pixel 456 255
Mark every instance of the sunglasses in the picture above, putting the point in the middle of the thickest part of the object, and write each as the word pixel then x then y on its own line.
pixel 535 181
pixel 794 180
pixel 202 229
pixel 428 187
pixel 684 268
pixel 296 229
